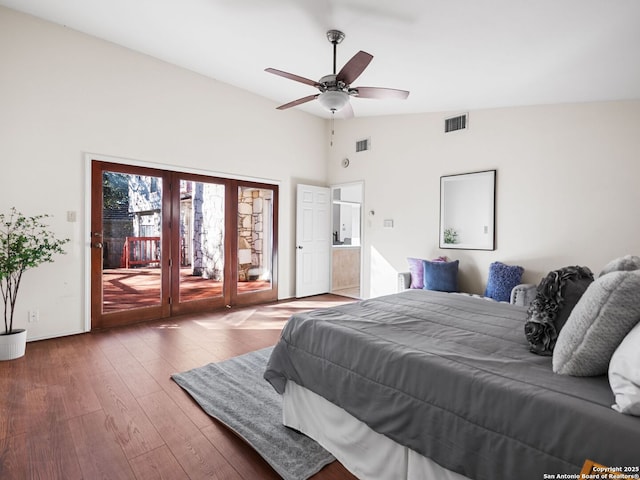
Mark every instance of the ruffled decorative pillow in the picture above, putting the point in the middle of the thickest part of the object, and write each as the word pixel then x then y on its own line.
pixel 556 297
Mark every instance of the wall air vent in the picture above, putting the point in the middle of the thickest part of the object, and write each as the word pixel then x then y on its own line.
pixel 363 145
pixel 455 123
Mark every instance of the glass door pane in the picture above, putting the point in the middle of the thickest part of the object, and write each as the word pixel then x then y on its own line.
pixel 131 241
pixel 166 243
pixel 202 240
pixel 255 239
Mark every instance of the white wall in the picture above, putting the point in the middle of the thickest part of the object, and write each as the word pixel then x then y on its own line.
pixel 63 93
pixel 567 186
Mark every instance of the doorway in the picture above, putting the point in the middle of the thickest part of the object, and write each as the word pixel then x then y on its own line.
pixel 165 243
pixel 346 250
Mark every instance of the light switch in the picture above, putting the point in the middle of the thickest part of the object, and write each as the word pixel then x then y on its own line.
pixel 71 216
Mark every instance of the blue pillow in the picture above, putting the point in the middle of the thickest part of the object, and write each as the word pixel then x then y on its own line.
pixel 417 270
pixel 440 276
pixel 502 279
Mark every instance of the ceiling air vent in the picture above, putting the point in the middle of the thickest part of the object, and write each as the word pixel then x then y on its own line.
pixel 455 123
pixel 363 145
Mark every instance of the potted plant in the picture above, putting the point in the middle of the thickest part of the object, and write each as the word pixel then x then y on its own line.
pixel 25 242
pixel 450 236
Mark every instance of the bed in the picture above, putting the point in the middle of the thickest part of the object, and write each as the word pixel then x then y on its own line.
pixel 424 385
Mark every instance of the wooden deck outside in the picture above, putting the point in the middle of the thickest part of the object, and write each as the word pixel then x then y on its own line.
pixel 125 288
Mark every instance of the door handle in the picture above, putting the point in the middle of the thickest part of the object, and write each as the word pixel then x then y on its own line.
pixel 97 245
pixel 300 247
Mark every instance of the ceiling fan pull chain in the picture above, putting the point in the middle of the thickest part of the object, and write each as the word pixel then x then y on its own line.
pixel 333 121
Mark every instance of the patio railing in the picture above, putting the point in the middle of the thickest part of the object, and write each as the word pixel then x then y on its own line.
pixel 140 251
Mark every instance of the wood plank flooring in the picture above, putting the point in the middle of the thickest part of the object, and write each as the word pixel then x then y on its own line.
pixel 103 405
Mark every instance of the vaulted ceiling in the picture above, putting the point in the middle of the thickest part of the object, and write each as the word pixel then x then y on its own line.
pixel 452 55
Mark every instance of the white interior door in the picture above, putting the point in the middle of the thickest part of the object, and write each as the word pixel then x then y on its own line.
pixel 313 240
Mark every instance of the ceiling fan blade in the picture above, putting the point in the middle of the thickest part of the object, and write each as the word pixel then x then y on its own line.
pixel 381 93
pixel 354 67
pixel 298 102
pixel 291 76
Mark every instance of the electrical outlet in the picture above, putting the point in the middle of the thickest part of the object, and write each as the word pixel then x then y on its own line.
pixel 34 316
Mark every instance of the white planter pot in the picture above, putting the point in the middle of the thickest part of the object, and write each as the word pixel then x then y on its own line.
pixel 13 345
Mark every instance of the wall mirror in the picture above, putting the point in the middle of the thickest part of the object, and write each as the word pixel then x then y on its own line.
pixel 467 211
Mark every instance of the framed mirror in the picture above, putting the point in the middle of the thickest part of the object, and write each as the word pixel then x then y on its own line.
pixel 467 211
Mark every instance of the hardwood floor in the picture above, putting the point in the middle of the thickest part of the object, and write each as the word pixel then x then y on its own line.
pixel 103 405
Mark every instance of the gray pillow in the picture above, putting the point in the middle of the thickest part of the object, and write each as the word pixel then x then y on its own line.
pixel 608 310
pixel 626 263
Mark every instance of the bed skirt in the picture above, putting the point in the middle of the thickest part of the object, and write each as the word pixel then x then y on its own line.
pixel 365 453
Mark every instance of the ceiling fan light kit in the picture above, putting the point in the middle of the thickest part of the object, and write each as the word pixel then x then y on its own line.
pixel 333 100
pixel 335 89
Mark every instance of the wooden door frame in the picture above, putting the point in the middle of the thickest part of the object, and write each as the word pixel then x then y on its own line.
pixel 259 296
pixel 230 296
pixel 232 183
pixel 178 308
pixel 97 318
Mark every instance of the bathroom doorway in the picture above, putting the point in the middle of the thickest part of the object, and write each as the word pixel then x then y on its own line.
pixel 346 228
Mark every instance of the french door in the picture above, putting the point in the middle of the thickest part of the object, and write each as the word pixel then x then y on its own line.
pixel 165 243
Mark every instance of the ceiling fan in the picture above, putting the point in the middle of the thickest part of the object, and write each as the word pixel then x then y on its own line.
pixel 335 89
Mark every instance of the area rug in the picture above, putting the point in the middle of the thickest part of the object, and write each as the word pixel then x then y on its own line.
pixel 235 393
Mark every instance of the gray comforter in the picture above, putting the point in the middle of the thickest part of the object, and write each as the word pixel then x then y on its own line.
pixel 451 377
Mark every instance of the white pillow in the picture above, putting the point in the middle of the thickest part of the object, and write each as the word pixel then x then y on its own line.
pixel 624 374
